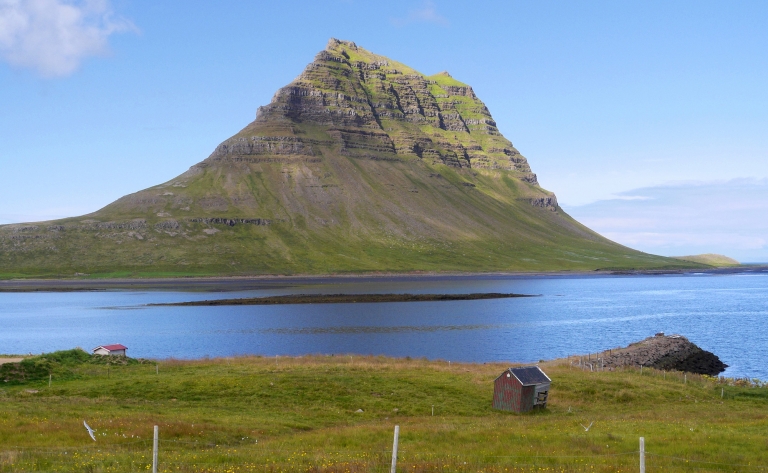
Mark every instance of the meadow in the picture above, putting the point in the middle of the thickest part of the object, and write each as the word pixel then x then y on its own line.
pixel 337 414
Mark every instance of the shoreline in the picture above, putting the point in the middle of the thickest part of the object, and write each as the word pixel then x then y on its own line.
pixel 271 281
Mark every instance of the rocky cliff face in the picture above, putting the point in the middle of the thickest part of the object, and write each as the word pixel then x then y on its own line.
pixel 375 108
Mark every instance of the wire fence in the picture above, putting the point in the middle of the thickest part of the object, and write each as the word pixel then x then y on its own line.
pixel 177 456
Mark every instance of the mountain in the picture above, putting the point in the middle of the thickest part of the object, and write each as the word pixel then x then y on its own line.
pixel 361 164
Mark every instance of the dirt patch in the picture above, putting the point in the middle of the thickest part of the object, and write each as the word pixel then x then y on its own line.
pixel 10 360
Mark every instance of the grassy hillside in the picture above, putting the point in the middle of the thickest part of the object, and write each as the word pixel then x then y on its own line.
pixel 710 259
pixel 361 164
pixel 378 216
pixel 301 414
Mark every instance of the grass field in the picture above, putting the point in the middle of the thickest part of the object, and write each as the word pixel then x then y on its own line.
pixel 301 414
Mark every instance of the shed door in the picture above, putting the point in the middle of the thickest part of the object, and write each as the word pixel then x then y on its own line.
pixel 540 395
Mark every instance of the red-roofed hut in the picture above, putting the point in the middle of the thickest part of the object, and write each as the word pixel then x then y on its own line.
pixel 115 349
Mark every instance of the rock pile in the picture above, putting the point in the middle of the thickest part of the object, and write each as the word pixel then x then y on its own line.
pixel 672 352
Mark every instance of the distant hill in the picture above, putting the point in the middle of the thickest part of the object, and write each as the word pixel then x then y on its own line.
pixel 361 164
pixel 710 258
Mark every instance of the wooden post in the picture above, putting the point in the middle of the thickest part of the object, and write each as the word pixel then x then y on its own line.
pixel 722 392
pixel 393 469
pixel 154 452
pixel 685 378
pixel 433 411
pixel 49 380
pixel 642 454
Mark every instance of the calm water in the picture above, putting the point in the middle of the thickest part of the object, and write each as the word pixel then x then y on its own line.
pixel 726 314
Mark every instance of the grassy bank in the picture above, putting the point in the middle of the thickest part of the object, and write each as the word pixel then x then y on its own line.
pixel 302 414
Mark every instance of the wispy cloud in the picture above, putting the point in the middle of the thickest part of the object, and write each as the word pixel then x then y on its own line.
pixel 53 37
pixel 728 217
pixel 427 13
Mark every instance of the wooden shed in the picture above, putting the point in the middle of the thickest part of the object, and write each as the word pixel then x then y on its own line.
pixel 115 349
pixel 521 389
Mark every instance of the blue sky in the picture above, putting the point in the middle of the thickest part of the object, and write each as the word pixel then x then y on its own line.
pixel 606 99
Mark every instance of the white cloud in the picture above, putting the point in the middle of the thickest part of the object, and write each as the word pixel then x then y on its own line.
pixel 427 13
pixel 682 218
pixel 55 36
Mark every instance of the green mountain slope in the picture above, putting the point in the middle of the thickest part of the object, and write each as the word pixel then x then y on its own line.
pixel 710 259
pixel 360 164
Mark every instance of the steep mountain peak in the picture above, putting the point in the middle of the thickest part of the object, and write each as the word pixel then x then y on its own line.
pixel 334 43
pixel 373 107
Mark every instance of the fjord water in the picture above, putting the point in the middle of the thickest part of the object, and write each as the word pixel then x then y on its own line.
pixel 725 314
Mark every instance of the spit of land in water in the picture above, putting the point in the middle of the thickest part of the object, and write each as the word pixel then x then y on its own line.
pixel 337 413
pixel 345 299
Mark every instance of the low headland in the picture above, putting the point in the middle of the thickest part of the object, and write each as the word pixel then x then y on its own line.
pixel 344 299
pixel 662 352
pixel 710 259
pixel 325 413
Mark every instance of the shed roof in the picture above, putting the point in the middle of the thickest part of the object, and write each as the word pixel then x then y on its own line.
pixel 114 347
pixel 530 375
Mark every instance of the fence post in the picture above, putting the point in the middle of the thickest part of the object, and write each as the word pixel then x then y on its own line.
pixel 642 454
pixel 154 452
pixel 393 469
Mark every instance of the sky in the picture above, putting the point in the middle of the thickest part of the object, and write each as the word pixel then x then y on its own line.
pixel 647 118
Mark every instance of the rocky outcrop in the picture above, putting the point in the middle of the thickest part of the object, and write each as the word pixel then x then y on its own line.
pixel 231 222
pixel 673 352
pixel 548 202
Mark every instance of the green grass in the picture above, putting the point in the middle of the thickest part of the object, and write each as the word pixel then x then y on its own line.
pixel 710 259
pixel 299 414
